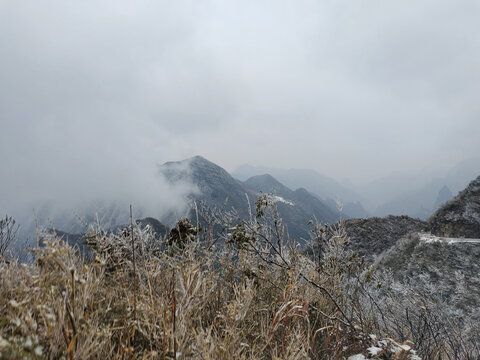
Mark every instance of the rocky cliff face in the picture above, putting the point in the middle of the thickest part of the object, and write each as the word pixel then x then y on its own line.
pixel 460 217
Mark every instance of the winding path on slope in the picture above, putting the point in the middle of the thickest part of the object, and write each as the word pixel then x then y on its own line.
pixel 427 237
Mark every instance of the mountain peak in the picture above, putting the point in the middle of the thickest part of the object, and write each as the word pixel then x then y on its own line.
pixel 198 159
pixel 266 183
pixel 216 186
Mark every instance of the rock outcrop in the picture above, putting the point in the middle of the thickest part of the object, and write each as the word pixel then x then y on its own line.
pixel 459 217
pixel 370 237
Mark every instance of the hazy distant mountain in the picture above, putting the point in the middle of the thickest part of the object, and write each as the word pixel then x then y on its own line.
pixel 349 210
pixel 444 195
pixel 460 217
pixel 355 210
pixel 321 185
pixel 328 190
pixel 416 194
pixel 417 204
pixel 420 203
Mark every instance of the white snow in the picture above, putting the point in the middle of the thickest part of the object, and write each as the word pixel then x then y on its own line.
pixel 38 350
pixel 373 350
pixel 357 357
pixel 276 198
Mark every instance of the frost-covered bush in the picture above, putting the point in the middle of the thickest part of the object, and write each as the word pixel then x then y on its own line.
pixel 8 232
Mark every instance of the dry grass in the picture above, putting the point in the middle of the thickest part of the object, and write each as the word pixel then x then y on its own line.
pixel 254 298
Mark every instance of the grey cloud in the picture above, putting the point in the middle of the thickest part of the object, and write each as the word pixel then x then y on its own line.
pixel 93 94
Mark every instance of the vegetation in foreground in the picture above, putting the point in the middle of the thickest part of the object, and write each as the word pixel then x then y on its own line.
pixel 246 293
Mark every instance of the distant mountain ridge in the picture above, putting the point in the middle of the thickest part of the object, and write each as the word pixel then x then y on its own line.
pixel 320 185
pixel 217 188
pixel 323 187
pixel 416 195
pixel 305 205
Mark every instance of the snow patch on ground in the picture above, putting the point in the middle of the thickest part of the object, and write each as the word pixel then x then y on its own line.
pixel 373 350
pixel 357 357
pixel 276 198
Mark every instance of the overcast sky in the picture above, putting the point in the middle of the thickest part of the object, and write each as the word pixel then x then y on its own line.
pixel 96 92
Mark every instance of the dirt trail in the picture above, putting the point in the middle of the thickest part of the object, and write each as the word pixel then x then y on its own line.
pixel 427 237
